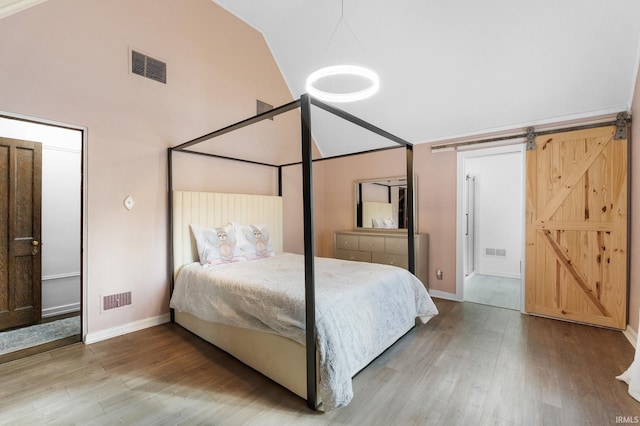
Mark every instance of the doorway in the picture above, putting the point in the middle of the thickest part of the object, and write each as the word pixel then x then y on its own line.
pixel 58 293
pixel 491 226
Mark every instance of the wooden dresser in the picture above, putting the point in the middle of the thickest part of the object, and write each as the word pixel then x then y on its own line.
pixel 383 247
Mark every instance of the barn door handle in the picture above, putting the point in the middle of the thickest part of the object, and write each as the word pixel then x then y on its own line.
pixel 34 248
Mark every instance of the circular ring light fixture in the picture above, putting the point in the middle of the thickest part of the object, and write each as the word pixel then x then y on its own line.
pixel 340 70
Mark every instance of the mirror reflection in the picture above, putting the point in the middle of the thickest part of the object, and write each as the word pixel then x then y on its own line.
pixel 382 203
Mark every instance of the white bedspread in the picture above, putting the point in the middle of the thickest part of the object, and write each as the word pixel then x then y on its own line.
pixel 360 307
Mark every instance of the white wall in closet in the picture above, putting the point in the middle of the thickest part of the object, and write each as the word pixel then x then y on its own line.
pixel 498 209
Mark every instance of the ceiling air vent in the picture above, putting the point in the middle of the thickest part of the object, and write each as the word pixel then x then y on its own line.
pixel 149 67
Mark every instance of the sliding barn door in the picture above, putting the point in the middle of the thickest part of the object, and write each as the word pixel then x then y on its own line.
pixel 576 231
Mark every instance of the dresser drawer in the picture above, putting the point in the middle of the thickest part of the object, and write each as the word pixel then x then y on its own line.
pixel 390 259
pixel 384 248
pixel 358 256
pixel 347 242
pixel 369 243
pixel 396 245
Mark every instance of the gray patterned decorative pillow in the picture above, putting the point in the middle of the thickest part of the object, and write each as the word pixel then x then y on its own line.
pixel 216 245
pixel 253 241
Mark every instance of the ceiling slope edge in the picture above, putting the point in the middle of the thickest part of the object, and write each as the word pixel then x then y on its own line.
pixel 275 58
pixel 10 7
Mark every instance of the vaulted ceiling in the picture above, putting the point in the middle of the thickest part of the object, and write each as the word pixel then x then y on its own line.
pixel 452 68
pixel 458 67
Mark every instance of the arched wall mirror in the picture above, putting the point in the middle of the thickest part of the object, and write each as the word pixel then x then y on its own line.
pixel 381 204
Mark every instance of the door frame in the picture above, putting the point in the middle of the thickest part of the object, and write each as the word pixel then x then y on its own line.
pixel 460 220
pixel 83 206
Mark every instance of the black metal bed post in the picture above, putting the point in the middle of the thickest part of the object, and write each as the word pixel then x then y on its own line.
pixel 410 219
pixel 280 181
pixel 170 230
pixel 309 273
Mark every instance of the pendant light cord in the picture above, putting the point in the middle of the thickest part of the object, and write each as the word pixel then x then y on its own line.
pixel 335 30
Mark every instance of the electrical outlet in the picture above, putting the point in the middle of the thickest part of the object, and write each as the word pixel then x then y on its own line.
pixel 439 274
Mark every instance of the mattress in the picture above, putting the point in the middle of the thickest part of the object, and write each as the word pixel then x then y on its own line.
pixel 360 308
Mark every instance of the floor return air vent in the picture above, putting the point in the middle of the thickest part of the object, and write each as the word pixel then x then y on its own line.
pixel 114 301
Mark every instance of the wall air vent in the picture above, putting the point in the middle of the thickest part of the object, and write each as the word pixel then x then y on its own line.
pixel 114 301
pixel 495 252
pixel 149 67
pixel 263 107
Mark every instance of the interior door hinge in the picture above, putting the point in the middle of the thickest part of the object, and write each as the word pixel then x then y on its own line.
pixel 621 126
pixel 531 139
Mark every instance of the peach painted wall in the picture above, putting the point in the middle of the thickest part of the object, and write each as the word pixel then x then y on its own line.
pixel 436 201
pixel 67 61
pixel 293 211
pixel 634 294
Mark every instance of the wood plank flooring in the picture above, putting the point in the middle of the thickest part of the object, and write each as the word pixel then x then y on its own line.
pixel 471 365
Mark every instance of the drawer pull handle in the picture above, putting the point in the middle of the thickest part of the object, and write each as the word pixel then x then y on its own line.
pixel 371 244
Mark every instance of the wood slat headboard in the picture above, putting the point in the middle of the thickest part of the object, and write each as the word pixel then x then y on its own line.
pixel 213 209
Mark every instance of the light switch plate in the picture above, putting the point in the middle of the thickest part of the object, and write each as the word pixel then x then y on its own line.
pixel 128 202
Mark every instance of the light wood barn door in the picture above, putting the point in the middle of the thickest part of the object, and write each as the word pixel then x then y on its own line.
pixel 576 231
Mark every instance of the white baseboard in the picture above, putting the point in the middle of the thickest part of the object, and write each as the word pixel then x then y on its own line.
pixel 631 335
pixel 444 295
pixel 60 310
pixel 125 328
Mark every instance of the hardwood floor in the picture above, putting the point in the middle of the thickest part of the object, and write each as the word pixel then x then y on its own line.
pixel 471 365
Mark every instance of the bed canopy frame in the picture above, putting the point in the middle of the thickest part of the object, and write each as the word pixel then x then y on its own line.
pixel 304 104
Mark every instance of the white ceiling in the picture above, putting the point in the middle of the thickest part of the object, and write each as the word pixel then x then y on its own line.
pixel 458 67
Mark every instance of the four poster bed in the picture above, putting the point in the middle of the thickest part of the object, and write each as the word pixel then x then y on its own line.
pixel 233 286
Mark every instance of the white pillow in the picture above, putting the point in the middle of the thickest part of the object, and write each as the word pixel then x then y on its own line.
pixel 216 245
pixel 378 223
pixel 388 223
pixel 253 241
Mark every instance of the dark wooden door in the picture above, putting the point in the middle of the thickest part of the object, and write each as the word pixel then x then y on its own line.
pixel 577 227
pixel 20 223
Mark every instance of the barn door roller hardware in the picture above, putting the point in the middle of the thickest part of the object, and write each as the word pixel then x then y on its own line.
pixel 621 126
pixel 621 123
pixel 531 139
